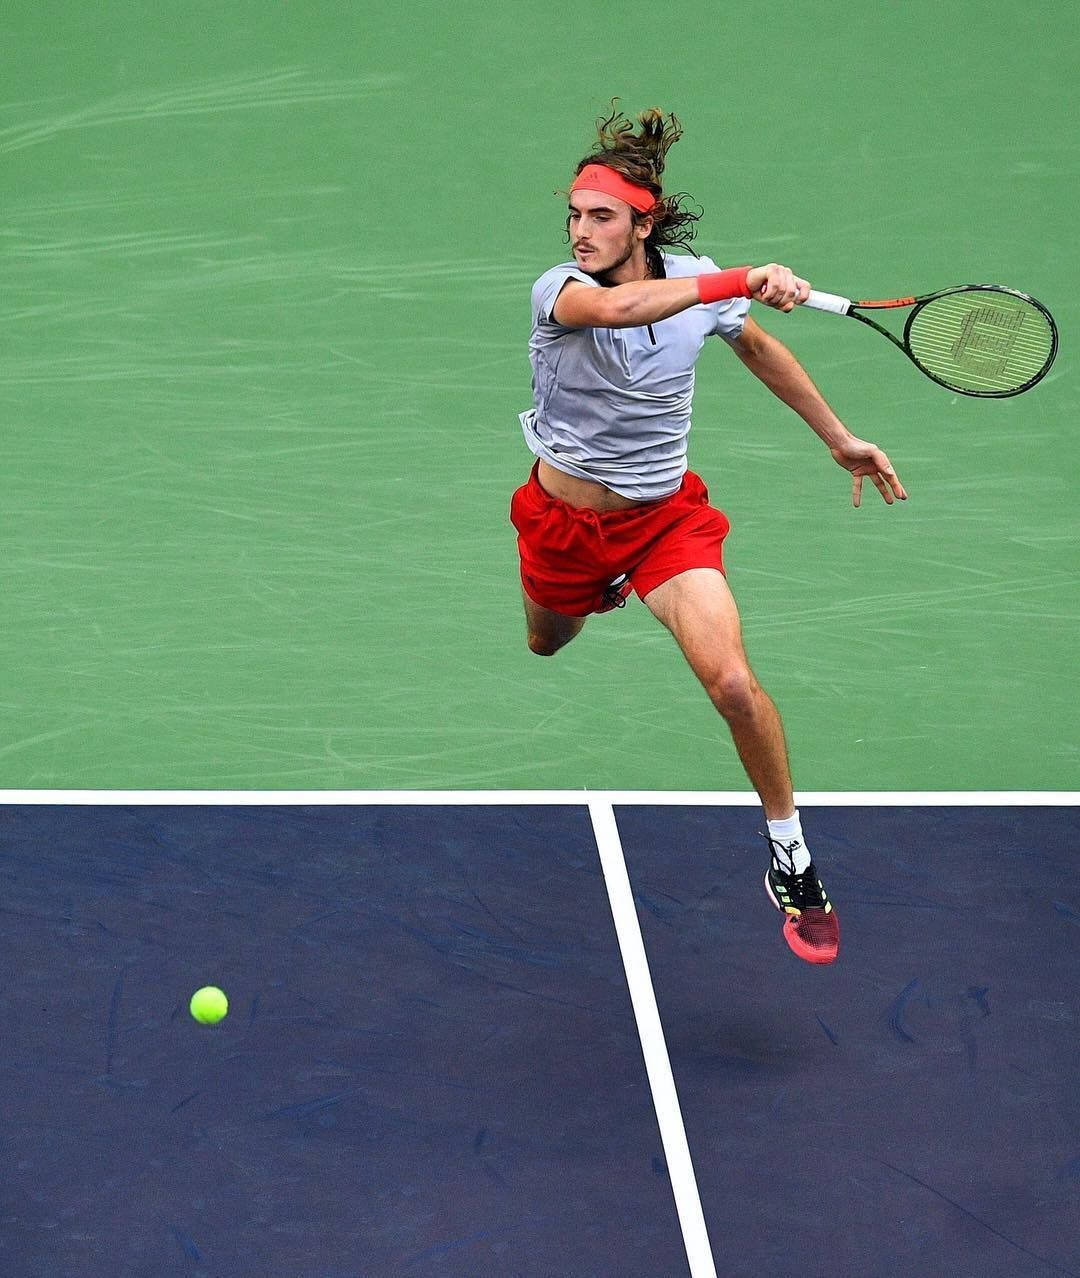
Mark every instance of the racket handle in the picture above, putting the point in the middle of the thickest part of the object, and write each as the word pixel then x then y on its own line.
pixel 828 302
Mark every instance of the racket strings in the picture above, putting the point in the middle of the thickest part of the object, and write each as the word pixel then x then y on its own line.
pixel 981 341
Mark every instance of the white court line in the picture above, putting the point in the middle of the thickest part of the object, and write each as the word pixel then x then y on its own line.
pixel 653 1046
pixel 561 798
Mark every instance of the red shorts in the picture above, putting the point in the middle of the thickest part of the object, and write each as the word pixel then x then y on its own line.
pixel 570 556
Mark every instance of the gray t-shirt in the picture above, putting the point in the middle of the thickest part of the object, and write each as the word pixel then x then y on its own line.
pixel 613 404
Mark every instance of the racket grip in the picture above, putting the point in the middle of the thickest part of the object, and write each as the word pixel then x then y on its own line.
pixel 828 302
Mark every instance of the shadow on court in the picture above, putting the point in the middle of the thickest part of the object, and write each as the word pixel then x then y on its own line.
pixel 431 1066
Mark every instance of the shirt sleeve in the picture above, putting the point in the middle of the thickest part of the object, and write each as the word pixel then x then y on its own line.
pixel 547 288
pixel 730 316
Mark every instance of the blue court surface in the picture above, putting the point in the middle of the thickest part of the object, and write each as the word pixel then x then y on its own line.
pixel 438 1058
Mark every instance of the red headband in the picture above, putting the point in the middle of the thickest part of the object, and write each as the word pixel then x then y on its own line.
pixel 598 177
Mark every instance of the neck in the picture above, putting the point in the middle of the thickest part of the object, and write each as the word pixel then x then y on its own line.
pixel 636 267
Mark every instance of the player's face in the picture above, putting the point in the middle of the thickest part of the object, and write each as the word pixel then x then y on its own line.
pixel 602 232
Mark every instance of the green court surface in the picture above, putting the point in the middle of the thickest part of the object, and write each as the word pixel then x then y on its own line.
pixel 265 306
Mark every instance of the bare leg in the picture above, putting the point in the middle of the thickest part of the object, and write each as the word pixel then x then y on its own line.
pixel 699 610
pixel 548 631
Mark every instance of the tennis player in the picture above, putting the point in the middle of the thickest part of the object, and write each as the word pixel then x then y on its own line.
pixel 610 506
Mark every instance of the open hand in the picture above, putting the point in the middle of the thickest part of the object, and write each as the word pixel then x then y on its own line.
pixel 866 460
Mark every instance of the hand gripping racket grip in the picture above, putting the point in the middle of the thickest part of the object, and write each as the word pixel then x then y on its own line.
pixel 828 302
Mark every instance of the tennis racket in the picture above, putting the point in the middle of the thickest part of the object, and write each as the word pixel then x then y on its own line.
pixel 978 339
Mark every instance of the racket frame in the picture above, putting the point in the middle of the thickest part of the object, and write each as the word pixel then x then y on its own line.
pixel 845 306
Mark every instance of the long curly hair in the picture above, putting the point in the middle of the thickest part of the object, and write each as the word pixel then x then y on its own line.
pixel 640 157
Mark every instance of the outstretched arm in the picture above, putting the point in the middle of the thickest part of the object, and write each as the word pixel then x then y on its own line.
pixel 649 301
pixel 772 362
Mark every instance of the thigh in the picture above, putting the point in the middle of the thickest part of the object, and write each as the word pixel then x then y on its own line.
pixel 699 609
pixel 690 534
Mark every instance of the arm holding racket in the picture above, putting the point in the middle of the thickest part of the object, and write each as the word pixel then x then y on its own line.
pixel 773 364
pixel 640 302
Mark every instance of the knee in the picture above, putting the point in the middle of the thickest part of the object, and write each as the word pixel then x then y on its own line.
pixel 733 691
pixel 546 640
pixel 544 645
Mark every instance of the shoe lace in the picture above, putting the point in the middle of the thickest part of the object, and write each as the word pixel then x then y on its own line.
pixel 804 887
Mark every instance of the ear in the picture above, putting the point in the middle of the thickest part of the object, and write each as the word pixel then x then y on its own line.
pixel 643 228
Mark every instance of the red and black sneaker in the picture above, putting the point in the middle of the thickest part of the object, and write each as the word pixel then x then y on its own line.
pixel 616 594
pixel 810 928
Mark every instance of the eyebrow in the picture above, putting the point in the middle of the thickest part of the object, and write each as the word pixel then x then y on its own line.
pixel 600 208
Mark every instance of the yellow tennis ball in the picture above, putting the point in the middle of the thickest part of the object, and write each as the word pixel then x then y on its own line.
pixel 209 1005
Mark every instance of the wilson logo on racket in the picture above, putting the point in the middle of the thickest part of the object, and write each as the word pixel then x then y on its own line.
pixel 978 339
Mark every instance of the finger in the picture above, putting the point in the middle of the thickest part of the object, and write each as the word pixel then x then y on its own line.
pixel 777 281
pixel 795 292
pixel 765 292
pixel 891 477
pixel 856 490
pixel 883 488
pixel 802 290
pixel 777 299
pixel 780 290
pixel 790 292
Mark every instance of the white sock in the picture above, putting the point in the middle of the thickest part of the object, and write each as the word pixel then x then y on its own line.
pixel 792 850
